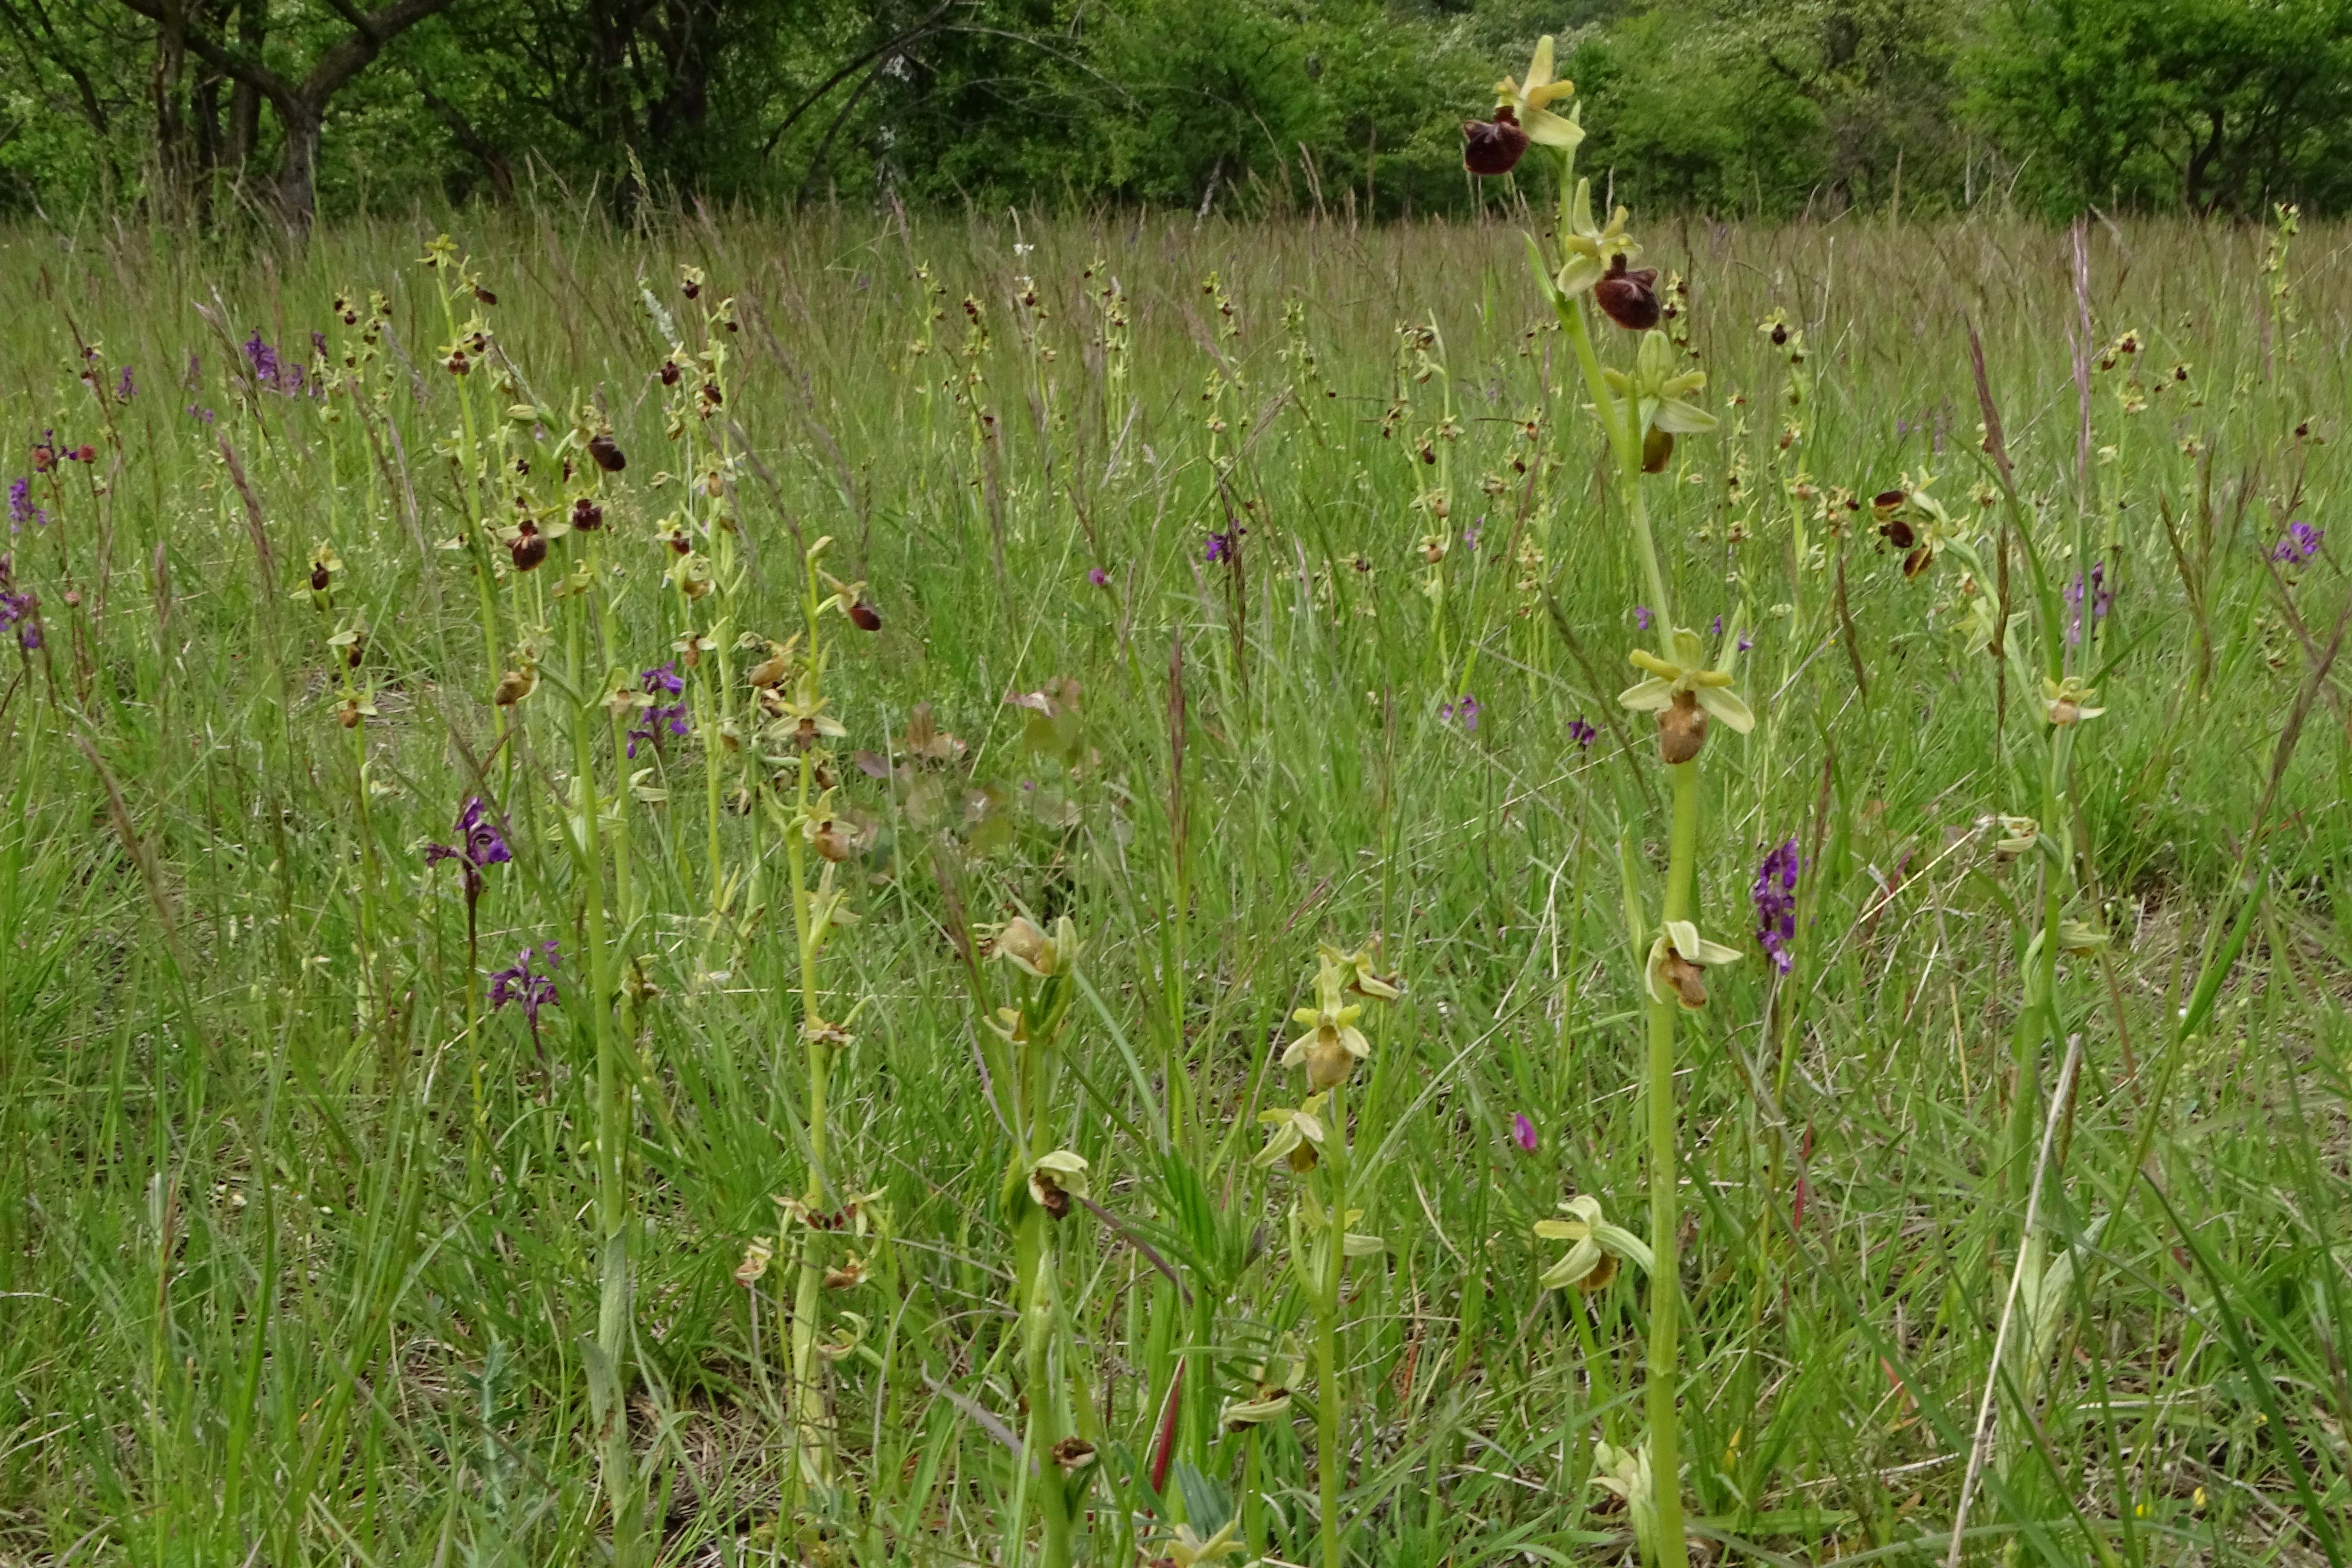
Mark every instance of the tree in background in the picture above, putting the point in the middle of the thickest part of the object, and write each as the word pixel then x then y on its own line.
pixel 234 38
pixel 1775 106
pixel 201 111
pixel 2221 106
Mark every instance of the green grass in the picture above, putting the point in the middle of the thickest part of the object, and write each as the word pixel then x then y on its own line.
pixel 277 1288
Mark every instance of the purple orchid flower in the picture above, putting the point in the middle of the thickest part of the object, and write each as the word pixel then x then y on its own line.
pixel 527 987
pixel 1775 896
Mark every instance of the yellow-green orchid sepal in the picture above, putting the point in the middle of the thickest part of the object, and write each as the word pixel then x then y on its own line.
pixel 1626 1473
pixel 1061 1171
pixel 1340 1023
pixel 1356 973
pixel 1675 960
pixel 1661 394
pixel 2076 939
pixel 1596 1246
pixel 1187 1550
pixel 1686 671
pixel 2069 701
pixel 1529 101
pixel 1589 245
pixel 1272 1399
pixel 1295 1133
pixel 1026 946
pixel 1255 1412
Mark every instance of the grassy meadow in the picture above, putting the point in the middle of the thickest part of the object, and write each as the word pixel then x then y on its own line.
pixel 1223 591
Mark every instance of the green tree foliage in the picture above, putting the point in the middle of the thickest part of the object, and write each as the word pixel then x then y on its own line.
pixel 1774 107
pixel 215 109
pixel 1175 102
pixel 2217 105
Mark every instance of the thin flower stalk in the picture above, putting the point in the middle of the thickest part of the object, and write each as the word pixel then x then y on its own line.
pixel 608 1380
pixel 453 277
pixel 1044 1185
pixel 805 727
pixel 1312 1140
pixel 1641 411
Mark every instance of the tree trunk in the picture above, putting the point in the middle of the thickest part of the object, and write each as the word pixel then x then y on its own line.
pixel 171 137
pixel 245 99
pixel 301 105
pixel 203 113
pixel 298 165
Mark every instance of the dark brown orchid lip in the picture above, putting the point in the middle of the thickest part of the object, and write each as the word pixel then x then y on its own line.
pixel 1630 298
pixel 1657 450
pixel 1493 147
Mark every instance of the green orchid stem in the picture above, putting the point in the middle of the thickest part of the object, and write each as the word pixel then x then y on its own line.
pixel 1328 1459
pixel 1665 1218
pixel 808 1394
pixel 1034 1257
pixel 1620 424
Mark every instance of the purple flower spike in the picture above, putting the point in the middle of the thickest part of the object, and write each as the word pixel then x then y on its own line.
pixel 1523 1132
pixel 1642 616
pixel 20 612
pixel 2101 597
pixel 1775 896
pixel 269 372
pixel 1099 577
pixel 21 509
pixel 527 988
pixel 660 719
pixel 1582 734
pixel 2301 543
pixel 485 843
pixel 123 391
pixel 481 843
